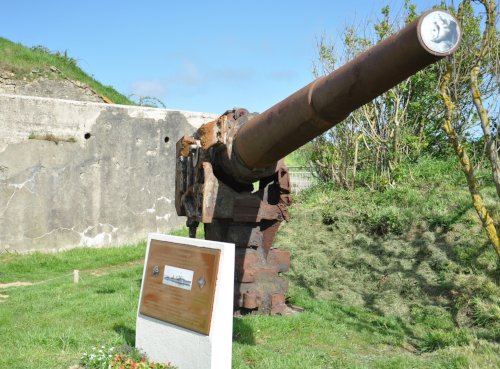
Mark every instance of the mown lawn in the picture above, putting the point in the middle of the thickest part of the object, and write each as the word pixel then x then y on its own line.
pixel 50 323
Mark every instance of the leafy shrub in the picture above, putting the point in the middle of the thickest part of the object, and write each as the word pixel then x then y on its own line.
pixel 386 221
pixel 130 352
pixel 328 216
pixel 486 313
pixel 438 339
pixel 41 49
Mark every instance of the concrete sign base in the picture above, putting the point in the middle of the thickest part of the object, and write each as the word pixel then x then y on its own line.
pixel 161 339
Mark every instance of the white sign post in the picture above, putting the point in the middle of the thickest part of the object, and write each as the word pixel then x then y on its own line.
pixel 185 313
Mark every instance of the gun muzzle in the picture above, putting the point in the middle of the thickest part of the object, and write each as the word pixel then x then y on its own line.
pixel 327 101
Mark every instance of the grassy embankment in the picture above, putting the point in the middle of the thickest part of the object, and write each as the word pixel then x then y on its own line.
pixel 32 63
pixel 401 278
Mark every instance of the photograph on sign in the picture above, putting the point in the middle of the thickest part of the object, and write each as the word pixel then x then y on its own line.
pixel 178 277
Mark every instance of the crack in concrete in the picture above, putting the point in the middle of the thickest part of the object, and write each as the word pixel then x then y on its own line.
pixel 152 210
pixel 166 217
pixel 7 204
pixel 52 231
pixel 103 238
pixel 163 198
pixel 20 186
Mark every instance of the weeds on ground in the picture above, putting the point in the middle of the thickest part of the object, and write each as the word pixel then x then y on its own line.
pixel 50 324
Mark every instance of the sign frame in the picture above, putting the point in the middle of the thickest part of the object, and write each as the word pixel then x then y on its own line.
pixel 179 284
pixel 164 341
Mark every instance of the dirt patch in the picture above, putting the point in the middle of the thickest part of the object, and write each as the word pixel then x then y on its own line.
pixel 14 284
pixel 48 83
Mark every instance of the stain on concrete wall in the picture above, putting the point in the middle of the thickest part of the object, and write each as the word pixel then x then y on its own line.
pixel 113 185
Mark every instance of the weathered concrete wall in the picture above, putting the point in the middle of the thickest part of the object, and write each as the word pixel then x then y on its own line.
pixel 113 185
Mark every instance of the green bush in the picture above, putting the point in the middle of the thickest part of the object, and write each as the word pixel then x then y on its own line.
pixel 415 251
pixel 439 339
pixel 387 220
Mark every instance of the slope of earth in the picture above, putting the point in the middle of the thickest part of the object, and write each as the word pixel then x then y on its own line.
pixel 414 253
pixel 37 71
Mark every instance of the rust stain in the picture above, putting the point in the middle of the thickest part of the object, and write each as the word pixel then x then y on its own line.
pixel 185 142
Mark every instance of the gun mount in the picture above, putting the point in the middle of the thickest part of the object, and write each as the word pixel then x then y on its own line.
pixel 218 165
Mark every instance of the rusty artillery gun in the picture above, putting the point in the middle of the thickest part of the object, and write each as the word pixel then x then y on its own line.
pixel 218 165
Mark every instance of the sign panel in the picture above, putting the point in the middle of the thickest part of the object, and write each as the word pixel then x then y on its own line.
pixel 179 284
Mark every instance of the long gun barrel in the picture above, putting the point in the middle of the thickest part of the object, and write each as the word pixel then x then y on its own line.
pixel 218 165
pixel 328 100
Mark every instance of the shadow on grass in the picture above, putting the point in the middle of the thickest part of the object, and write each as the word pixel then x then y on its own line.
pixel 243 332
pixel 105 291
pixel 127 334
pixel 393 330
pixel 430 282
pixel 300 281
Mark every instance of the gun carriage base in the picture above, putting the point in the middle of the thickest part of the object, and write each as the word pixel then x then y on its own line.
pixel 234 212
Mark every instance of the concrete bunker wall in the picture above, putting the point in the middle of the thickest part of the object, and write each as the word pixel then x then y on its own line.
pixel 86 174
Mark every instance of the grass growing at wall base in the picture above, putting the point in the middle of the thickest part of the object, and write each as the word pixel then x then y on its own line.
pixel 50 137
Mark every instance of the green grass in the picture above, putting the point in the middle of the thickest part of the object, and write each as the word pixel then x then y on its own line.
pixel 31 63
pixel 414 252
pixel 43 266
pixel 298 158
pixel 398 278
pixel 184 232
pixel 51 324
pixel 331 334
